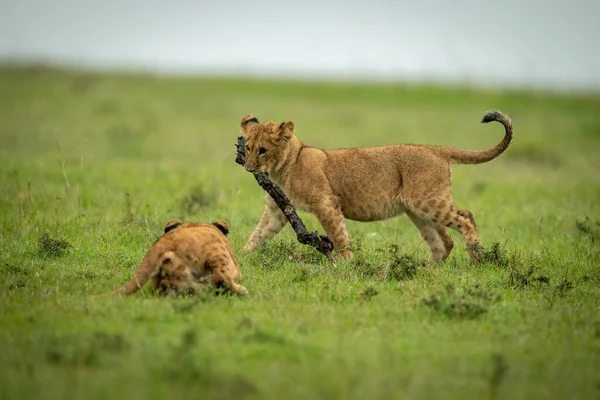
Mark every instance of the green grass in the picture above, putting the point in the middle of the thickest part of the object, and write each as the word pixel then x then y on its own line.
pixel 101 161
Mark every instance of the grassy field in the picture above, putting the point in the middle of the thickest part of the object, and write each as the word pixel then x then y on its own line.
pixel 98 162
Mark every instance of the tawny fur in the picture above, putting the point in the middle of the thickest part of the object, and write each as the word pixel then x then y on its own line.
pixel 186 258
pixel 365 184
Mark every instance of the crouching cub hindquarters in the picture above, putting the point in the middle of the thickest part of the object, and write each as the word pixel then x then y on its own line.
pixel 365 184
pixel 186 258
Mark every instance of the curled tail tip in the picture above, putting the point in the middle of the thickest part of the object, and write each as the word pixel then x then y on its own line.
pixel 494 115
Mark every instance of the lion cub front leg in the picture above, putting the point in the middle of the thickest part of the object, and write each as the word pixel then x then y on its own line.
pixel 331 218
pixel 271 223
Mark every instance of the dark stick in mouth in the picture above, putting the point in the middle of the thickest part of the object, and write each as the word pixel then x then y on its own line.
pixel 321 243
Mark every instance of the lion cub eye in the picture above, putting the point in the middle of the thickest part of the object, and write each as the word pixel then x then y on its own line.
pixel 262 151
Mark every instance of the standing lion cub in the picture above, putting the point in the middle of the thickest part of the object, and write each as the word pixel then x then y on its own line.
pixel 186 258
pixel 365 184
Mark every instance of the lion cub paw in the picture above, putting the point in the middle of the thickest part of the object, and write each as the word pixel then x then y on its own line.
pixel 345 254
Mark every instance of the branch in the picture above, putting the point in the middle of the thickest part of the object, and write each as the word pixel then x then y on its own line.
pixel 321 243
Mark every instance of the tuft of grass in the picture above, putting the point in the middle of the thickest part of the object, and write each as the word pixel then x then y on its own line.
pixel 281 251
pixel 495 255
pixel 520 277
pixel 49 247
pixel 589 229
pixel 369 293
pixel 402 267
pixel 465 303
pixel 395 266
pixel 564 287
pixel 198 198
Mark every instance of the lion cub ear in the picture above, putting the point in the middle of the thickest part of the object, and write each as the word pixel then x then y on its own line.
pixel 172 224
pixel 247 121
pixel 222 225
pixel 286 130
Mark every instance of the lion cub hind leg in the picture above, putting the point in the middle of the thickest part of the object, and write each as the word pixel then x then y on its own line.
pixel 440 243
pixel 172 276
pixel 448 242
pixel 224 271
pixel 446 213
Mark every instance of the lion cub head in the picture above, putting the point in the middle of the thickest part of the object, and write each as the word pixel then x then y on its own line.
pixel 220 224
pixel 266 143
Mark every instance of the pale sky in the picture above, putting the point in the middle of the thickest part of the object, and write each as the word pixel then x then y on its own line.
pixel 550 43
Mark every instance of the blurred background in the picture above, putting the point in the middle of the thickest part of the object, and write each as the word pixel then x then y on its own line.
pixel 91 139
pixel 508 43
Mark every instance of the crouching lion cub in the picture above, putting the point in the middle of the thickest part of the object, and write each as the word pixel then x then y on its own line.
pixel 365 184
pixel 186 258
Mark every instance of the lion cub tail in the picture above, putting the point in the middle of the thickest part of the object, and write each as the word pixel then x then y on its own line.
pixel 462 156
pixel 149 267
